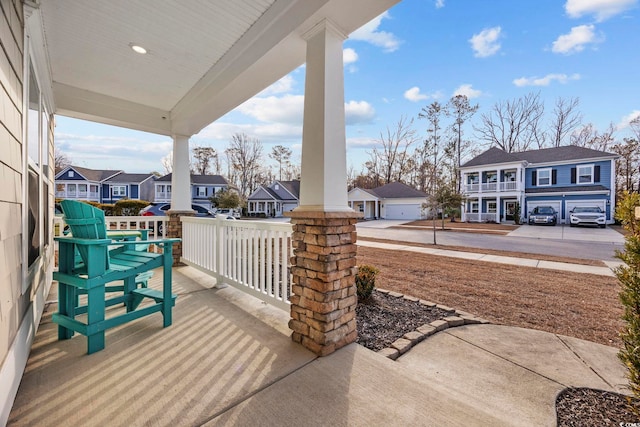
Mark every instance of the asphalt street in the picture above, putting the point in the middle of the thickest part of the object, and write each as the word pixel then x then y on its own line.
pixel 568 248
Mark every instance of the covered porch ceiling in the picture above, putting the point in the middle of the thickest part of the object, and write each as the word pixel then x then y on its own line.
pixel 204 57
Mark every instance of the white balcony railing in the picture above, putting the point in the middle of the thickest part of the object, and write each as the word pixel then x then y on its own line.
pixel 508 186
pixel 489 186
pixel 163 196
pixel 84 195
pixel 481 217
pixel 471 188
pixel 250 256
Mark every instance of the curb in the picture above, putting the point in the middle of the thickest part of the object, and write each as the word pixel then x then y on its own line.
pixel 408 340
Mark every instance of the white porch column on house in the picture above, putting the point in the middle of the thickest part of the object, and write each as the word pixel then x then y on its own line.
pixel 181 177
pixel 324 233
pixel 323 184
pixel 376 208
pixel 499 216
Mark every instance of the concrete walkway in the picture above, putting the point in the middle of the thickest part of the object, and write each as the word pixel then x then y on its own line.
pixel 228 359
pixel 522 262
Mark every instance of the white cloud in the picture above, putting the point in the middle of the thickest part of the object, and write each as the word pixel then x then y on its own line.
pixel 369 33
pixel 284 109
pixel 439 4
pixel 361 142
pixel 624 122
pixel 414 94
pixel 546 80
pixel 601 9
pixel 283 85
pixel 576 40
pixel 349 56
pixel 486 43
pixel 468 91
pixel 356 112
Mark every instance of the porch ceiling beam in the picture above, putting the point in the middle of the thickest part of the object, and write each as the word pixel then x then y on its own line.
pixel 83 104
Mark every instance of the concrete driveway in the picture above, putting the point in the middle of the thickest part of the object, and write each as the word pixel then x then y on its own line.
pixel 564 232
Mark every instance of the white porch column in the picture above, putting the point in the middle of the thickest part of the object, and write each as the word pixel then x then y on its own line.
pixel 181 177
pixel 376 208
pixel 323 299
pixel 323 184
pixel 499 216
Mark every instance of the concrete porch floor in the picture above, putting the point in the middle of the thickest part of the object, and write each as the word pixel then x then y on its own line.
pixel 228 359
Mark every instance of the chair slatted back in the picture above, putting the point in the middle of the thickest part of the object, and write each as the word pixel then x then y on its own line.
pixel 85 222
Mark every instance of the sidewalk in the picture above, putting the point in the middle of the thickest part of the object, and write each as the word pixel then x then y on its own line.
pixel 522 262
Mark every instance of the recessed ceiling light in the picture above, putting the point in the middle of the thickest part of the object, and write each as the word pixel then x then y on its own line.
pixel 137 48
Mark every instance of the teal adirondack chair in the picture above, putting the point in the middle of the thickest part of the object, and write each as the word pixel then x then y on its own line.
pixel 103 261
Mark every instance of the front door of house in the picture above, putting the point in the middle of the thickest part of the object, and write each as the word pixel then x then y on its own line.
pixel 509 210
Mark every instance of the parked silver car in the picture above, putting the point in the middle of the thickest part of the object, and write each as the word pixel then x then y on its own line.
pixel 587 215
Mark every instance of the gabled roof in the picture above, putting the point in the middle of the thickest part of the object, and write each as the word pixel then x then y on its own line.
pixel 263 193
pixel 133 178
pixel 396 190
pixel 96 175
pixel 292 187
pixel 559 154
pixel 199 179
pixel 492 156
pixel 495 155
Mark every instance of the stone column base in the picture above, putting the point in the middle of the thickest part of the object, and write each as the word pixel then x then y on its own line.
pixel 174 229
pixel 323 300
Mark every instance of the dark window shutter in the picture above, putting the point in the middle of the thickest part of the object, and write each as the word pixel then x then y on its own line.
pixel 573 175
pixel 554 176
pixel 596 173
pixel 534 178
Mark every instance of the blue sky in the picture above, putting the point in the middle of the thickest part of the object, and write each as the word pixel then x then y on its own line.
pixel 418 52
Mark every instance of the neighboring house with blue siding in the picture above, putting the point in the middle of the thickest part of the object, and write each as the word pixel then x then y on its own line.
pixel 74 182
pixel 138 186
pixel 202 188
pixel 495 182
pixel 275 199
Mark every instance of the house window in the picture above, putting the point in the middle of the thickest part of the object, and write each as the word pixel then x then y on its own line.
pixel 93 189
pixel 492 176
pixel 118 190
pixel 544 177
pixel 475 207
pixel 71 174
pixel 585 174
pixel 472 178
pixel 510 176
pixel 492 207
pixel 202 192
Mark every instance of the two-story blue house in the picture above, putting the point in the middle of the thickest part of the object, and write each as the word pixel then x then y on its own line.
pixel 103 186
pixel 202 187
pixel 495 183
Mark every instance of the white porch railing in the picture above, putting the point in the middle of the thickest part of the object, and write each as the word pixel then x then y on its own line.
pixel 508 186
pixel 481 217
pixel 155 224
pixel 471 188
pixel 252 256
pixel 489 186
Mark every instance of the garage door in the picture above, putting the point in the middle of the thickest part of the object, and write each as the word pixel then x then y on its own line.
pixel 555 204
pixel 573 203
pixel 402 212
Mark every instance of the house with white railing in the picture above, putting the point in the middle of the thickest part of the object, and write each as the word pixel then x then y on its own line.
pixel 498 186
pixel 275 199
pixel 201 188
pixel 103 186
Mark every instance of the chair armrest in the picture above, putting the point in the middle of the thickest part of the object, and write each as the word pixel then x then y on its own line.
pixel 86 242
pixel 147 242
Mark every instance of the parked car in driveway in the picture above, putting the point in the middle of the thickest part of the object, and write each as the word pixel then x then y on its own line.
pixel 543 215
pixel 587 215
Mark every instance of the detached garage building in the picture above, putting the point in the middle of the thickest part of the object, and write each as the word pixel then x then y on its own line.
pixel 391 201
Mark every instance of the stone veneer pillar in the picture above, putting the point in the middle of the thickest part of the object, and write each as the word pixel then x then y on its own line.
pixel 323 303
pixel 174 229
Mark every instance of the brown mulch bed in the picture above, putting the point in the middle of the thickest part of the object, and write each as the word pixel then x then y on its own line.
pixel 586 407
pixel 382 319
pixel 592 262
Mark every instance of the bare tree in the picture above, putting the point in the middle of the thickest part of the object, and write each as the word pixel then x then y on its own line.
pixel 566 118
pixel 280 154
pixel 513 125
pixel 60 160
pixel 203 158
pixel 243 156
pixel 167 163
pixel 461 110
pixel 628 165
pixel 431 147
pixel 588 136
pixel 392 156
